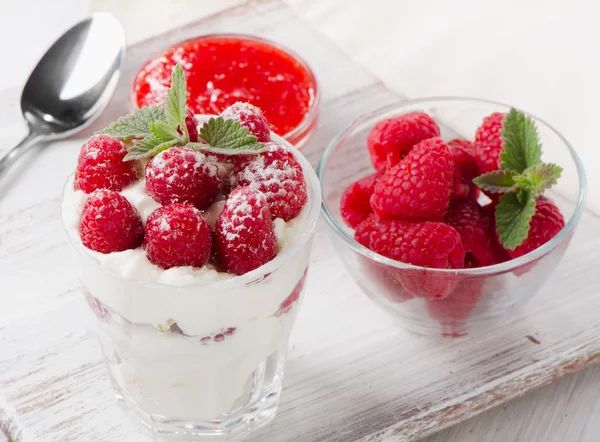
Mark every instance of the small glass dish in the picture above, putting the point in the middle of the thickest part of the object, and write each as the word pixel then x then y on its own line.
pixel 303 131
pixel 201 361
pixel 474 296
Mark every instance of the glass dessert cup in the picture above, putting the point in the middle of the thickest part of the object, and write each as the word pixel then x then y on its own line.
pixel 303 131
pixel 471 297
pixel 202 361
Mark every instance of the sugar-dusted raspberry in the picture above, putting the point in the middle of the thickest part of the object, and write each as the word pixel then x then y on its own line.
pixel 278 175
pixel 390 140
pixel 355 204
pixel 545 224
pixel 109 223
pixel 192 125
pixel 182 175
pixel 419 187
pixel 488 143
pixel 177 235
pixel 244 235
pixel 250 117
pixel 425 244
pixel 465 169
pixel 100 165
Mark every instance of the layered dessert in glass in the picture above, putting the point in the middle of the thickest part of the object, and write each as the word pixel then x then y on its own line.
pixel 194 251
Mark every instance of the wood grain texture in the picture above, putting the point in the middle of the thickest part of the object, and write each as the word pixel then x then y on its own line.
pixel 352 376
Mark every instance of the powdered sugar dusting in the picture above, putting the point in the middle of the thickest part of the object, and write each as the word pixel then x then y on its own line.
pixel 250 117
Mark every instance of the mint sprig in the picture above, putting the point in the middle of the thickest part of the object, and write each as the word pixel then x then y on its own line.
pixel 521 178
pixel 136 125
pixel 154 129
pixel 227 137
pixel 175 105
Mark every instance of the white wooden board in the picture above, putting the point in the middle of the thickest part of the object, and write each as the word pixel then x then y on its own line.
pixel 352 376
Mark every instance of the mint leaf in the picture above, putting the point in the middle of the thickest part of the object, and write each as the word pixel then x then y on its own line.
pixel 513 218
pixel 521 143
pixel 227 137
pixel 250 149
pixel 175 105
pixel 498 181
pixel 542 177
pixel 147 147
pixel 136 125
pixel 165 133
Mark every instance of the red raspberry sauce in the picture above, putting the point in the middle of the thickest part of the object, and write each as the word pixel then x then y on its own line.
pixel 223 70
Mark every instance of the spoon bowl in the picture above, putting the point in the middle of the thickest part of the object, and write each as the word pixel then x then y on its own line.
pixel 72 83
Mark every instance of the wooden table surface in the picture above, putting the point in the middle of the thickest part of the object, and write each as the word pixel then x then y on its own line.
pixel 351 374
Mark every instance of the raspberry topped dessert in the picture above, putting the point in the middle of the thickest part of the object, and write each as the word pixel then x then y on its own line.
pixel 194 234
pixel 441 202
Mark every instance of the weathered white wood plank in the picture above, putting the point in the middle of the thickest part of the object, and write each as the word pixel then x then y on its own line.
pixel 351 376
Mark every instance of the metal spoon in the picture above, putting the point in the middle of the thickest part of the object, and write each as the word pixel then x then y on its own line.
pixel 72 83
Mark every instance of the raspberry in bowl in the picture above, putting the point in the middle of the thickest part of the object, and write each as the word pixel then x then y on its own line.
pixel 193 260
pixel 452 211
pixel 223 69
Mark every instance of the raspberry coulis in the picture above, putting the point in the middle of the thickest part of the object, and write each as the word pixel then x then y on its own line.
pixel 223 70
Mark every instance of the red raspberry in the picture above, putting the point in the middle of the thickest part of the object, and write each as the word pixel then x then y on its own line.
pixel 109 223
pixel 362 233
pixel 288 302
pixel 390 140
pixel 488 143
pixel 427 244
pixel 474 226
pixel 418 188
pixel 278 175
pixel 545 224
pixel 100 165
pixel 182 175
pixel 177 235
pixel 453 311
pixel 192 125
pixel 244 235
pixel 465 169
pixel 251 117
pixel 355 204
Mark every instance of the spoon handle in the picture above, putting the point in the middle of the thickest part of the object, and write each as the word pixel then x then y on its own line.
pixel 13 154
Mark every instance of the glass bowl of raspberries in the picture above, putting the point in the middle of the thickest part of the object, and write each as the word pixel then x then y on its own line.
pixel 451 212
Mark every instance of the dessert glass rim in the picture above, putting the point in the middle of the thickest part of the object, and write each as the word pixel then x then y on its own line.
pixel 304 234
pixel 313 108
pixel 494 269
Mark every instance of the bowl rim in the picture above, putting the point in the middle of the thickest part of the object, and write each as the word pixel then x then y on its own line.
pixel 313 109
pixel 497 268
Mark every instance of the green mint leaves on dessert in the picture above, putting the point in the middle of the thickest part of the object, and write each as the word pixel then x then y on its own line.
pixel 227 137
pixel 175 105
pixel 136 125
pixel 147 147
pixel 151 130
pixel 165 133
pixel 521 178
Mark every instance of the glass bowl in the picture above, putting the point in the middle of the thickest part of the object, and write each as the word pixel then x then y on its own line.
pixel 471 297
pixel 299 135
